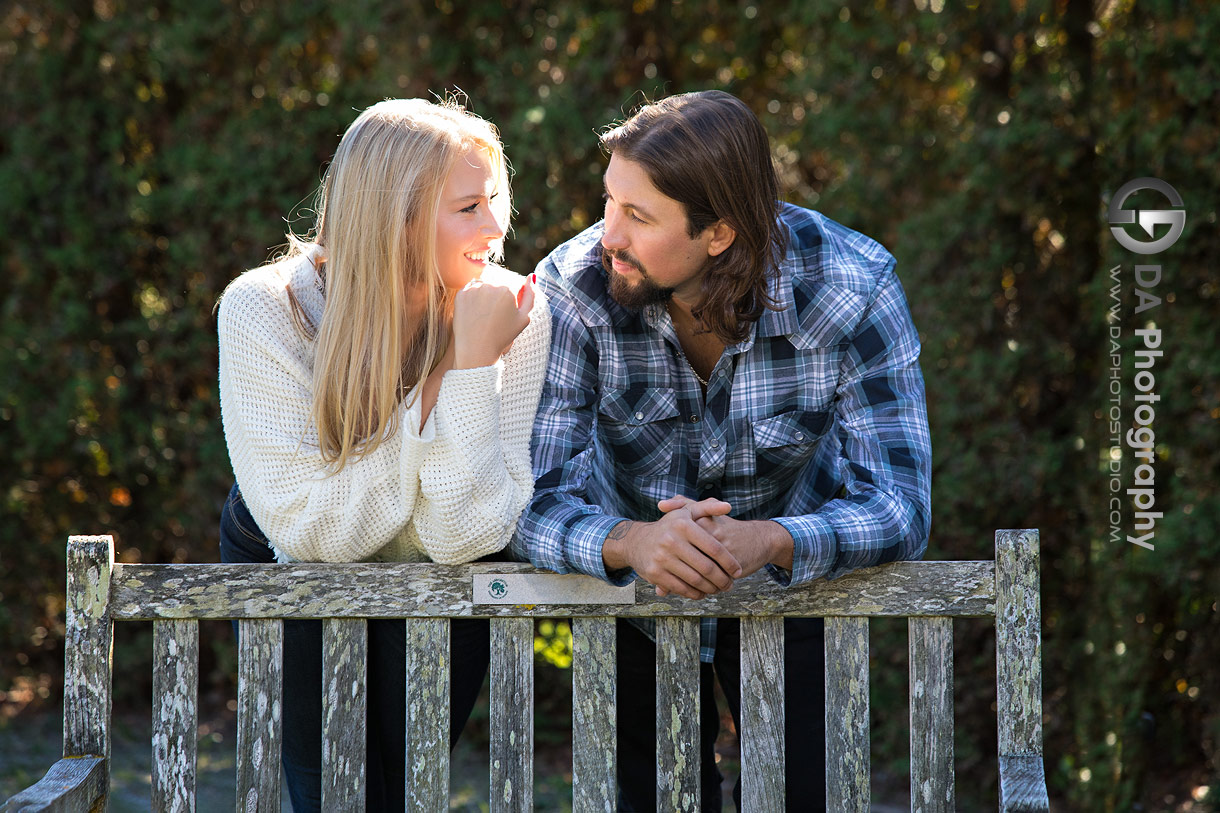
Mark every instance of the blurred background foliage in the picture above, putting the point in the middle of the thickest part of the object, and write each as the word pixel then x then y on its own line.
pixel 150 151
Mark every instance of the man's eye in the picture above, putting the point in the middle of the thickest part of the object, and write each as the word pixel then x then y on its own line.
pixel 630 212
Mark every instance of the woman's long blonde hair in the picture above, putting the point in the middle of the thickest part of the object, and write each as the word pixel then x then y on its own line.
pixel 376 232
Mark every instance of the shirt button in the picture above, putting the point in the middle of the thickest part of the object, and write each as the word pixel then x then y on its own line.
pixel 800 436
pixel 639 416
pixel 715 444
pixel 694 419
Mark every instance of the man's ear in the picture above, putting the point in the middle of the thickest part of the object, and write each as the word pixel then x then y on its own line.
pixel 723 236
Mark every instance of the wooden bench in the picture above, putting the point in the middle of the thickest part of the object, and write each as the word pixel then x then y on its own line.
pixel 175 597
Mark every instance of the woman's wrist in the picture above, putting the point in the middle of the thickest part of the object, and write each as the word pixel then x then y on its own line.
pixel 466 358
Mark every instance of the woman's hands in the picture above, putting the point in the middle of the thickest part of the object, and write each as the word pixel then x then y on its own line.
pixel 486 319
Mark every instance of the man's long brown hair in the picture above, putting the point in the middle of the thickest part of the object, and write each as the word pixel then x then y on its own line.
pixel 709 152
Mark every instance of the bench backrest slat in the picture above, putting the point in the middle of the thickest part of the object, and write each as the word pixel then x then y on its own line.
pixel 762 713
pixel 678 714
pixel 427 714
pixel 594 715
pixel 847 714
pixel 899 589
pixel 931 687
pixel 1018 634
pixel 512 714
pixel 88 636
pixel 345 646
pixel 260 703
pixel 176 714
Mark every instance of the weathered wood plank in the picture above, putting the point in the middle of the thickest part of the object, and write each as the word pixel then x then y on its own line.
pixel 427 714
pixel 72 783
pixel 512 714
pixel 594 782
pixel 847 710
pixel 762 714
pixel 88 637
pixel 175 714
pixel 1018 632
pixel 678 714
pixel 344 704
pixel 208 591
pixel 1023 785
pixel 259 708
pixel 931 669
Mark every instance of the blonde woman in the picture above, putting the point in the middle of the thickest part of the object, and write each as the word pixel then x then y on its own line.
pixel 378 388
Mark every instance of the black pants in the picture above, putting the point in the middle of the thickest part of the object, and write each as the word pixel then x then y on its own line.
pixel 385 777
pixel 804 715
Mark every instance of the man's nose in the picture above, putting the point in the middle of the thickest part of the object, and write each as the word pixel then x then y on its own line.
pixel 613 237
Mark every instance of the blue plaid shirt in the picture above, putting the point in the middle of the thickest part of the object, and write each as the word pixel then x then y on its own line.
pixel 816 420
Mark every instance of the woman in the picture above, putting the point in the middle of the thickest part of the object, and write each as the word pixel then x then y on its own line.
pixel 378 388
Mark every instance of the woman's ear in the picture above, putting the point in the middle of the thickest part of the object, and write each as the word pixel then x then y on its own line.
pixel 723 236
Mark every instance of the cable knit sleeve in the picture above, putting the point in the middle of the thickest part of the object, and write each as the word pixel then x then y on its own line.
pixel 476 477
pixel 266 379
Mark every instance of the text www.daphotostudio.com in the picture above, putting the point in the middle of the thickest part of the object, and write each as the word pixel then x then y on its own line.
pixel 1140 436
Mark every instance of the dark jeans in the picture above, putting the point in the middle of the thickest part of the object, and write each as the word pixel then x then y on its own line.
pixel 804 715
pixel 242 541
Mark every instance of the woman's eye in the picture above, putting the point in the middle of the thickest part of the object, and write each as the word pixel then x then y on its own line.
pixel 470 209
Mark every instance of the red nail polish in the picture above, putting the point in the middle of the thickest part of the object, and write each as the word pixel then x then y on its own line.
pixel 534 278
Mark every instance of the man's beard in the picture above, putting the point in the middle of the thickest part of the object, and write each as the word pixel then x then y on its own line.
pixel 633 296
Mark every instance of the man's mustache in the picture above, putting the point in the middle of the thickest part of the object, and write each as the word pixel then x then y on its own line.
pixel 622 256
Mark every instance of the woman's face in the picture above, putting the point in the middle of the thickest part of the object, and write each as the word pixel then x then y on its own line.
pixel 466 226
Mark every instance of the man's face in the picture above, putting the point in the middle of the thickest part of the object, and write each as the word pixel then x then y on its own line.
pixel 646 249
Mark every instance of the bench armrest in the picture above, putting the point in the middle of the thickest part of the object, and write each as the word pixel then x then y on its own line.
pixel 1023 784
pixel 73 783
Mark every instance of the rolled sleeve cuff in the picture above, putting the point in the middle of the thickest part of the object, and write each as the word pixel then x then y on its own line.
pixel 583 549
pixel 814 549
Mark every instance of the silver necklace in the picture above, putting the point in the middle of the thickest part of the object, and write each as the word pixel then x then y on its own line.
pixel 692 369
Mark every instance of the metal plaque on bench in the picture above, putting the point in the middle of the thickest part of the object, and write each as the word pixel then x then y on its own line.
pixel 547 588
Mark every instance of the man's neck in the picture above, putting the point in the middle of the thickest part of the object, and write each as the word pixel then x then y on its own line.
pixel 702 347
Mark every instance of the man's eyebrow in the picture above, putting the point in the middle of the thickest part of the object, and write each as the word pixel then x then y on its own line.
pixel 634 207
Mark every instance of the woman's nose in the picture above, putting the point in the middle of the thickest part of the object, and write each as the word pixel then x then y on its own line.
pixel 491 226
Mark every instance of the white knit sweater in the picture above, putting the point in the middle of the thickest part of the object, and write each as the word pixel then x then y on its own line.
pixel 449 493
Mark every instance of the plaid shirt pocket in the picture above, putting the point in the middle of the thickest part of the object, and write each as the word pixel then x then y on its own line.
pixel 784 443
pixel 640 425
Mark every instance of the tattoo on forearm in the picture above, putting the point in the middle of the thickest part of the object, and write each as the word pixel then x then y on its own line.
pixel 620 530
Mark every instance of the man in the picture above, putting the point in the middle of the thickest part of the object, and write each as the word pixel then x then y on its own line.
pixel 733 385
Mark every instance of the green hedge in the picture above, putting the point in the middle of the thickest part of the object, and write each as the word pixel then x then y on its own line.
pixel 151 151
